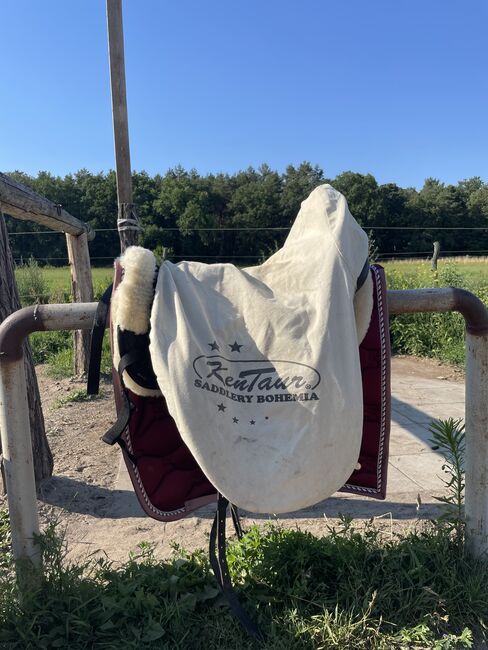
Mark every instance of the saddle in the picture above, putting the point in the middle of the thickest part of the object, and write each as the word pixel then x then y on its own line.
pixel 265 388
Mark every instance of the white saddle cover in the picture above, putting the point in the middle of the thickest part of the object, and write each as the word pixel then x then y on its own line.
pixel 260 366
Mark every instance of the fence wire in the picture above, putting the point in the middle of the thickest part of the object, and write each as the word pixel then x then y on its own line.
pixel 381 255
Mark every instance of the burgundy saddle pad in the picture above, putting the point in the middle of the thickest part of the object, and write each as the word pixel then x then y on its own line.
pixel 166 477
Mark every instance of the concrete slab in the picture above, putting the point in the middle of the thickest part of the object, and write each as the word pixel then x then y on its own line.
pixel 423 469
pixel 424 412
pixel 410 438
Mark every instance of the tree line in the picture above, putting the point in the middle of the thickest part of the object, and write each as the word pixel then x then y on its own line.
pixel 208 218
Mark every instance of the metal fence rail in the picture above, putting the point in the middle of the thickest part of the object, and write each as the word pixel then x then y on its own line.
pixel 14 421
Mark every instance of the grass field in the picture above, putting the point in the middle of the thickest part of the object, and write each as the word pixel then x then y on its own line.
pixel 59 277
pixel 473 269
pixel 52 284
pixel 469 268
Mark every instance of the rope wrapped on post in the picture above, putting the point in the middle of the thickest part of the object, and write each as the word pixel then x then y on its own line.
pixel 127 225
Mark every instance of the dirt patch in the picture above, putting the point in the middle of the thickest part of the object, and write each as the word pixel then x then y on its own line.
pixel 97 518
pixel 426 368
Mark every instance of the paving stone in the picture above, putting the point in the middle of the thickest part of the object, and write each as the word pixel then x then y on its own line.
pixel 424 469
pixel 410 438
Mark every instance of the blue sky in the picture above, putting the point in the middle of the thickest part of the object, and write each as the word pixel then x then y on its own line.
pixel 397 88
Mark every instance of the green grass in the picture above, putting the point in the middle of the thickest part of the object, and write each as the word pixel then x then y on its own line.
pixel 59 276
pixel 53 284
pixel 471 270
pixel 345 589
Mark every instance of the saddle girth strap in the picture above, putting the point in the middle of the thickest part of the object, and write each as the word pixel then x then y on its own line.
pixel 221 569
pixel 98 330
pixel 115 432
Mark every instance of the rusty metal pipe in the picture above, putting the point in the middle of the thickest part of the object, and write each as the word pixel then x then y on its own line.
pixel 14 414
pixel 442 300
pixel 18 466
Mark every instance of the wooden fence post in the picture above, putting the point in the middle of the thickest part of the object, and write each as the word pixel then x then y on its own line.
pixel 82 291
pixel 435 256
pixel 127 220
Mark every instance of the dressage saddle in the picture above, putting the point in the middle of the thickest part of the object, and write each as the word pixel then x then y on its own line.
pixel 266 388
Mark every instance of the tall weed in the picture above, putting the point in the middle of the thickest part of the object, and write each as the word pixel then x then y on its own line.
pixel 449 438
pixel 31 283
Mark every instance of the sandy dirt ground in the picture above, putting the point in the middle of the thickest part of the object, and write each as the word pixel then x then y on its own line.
pixel 97 518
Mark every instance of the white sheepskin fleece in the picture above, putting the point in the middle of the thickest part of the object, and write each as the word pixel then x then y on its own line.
pixel 363 307
pixel 131 304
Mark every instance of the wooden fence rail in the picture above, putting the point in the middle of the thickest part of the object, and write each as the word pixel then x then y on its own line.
pixel 22 202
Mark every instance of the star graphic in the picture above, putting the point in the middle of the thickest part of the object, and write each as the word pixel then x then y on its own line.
pixel 214 346
pixel 236 420
pixel 235 347
pixel 221 407
pixel 252 422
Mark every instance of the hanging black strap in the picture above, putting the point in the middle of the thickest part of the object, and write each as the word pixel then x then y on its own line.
pixel 234 511
pixel 221 569
pixel 98 330
pixel 117 429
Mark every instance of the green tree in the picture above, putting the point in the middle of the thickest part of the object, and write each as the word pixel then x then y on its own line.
pixel 297 183
pixel 256 203
pixel 363 197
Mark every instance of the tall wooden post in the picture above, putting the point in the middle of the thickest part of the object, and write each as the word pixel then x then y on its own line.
pixel 81 291
pixel 127 221
pixel 435 256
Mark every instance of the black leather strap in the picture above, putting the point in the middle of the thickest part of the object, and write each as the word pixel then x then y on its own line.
pixel 221 569
pixel 234 511
pixel 98 330
pixel 117 429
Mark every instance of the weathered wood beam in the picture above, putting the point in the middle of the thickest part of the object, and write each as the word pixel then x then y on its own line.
pixel 21 202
